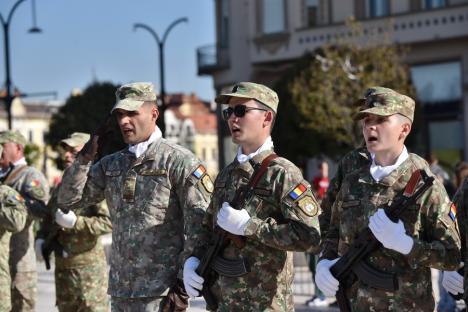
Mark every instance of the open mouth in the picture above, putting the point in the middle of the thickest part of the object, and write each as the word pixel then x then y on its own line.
pixel 235 130
pixel 372 139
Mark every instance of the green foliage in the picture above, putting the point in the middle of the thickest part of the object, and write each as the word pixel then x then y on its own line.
pixel 32 153
pixel 84 113
pixel 318 95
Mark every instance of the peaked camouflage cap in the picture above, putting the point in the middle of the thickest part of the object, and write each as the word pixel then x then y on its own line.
pixel 12 136
pixel 76 139
pixel 131 96
pixel 250 90
pixel 385 102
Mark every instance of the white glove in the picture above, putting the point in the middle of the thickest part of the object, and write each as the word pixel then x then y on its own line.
pixel 453 282
pixel 327 283
pixel 392 235
pixel 38 249
pixel 193 282
pixel 232 220
pixel 66 220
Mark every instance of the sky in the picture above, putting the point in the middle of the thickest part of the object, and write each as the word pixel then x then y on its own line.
pixel 87 39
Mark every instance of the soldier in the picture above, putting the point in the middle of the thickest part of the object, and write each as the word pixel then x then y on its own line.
pixel 81 268
pixel 157 193
pixel 13 216
pixel 426 234
pixel 278 218
pixel 33 186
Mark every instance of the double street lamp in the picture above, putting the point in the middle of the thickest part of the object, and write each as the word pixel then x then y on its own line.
pixel 9 95
pixel 160 42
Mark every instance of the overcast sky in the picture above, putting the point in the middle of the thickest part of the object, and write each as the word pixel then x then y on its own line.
pixel 83 39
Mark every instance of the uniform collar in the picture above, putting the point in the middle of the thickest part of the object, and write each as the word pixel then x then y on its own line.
pixel 267 145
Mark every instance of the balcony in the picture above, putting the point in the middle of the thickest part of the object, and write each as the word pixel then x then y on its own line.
pixel 211 58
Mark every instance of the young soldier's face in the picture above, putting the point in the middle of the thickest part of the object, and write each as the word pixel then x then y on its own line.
pixel 69 155
pixel 137 126
pixel 11 153
pixel 383 133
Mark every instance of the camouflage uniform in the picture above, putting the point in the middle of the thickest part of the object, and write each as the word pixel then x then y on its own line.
pixel 460 201
pixel 156 202
pixel 429 224
pixel 81 276
pixel 32 185
pixel 283 214
pixel 13 216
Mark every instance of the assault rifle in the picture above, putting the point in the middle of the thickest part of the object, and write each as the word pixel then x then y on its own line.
pixel 212 263
pixel 352 265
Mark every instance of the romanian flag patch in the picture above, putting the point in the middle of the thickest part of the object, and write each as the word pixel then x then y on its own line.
pixel 297 192
pixel 199 172
pixel 35 183
pixel 453 212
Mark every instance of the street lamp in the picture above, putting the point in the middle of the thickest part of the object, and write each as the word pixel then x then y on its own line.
pixel 6 36
pixel 160 43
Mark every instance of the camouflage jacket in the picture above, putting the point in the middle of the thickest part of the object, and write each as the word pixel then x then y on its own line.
pixel 81 243
pixel 460 201
pixel 283 214
pixel 353 160
pixel 13 216
pixel 154 202
pixel 32 185
pixel 435 235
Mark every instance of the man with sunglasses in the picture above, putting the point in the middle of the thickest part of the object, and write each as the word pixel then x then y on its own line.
pixel 157 193
pixel 80 265
pixel 278 217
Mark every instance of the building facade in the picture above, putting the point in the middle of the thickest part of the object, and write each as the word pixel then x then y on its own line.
pixel 258 40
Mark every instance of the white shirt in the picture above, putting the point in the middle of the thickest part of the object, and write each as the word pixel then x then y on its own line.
pixel 241 158
pixel 380 172
pixel 139 148
pixel 21 161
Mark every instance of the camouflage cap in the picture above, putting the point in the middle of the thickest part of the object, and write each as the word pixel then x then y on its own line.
pixel 12 136
pixel 250 90
pixel 385 102
pixel 76 139
pixel 131 96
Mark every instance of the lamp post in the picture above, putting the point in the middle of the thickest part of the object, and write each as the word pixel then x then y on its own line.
pixel 162 106
pixel 9 95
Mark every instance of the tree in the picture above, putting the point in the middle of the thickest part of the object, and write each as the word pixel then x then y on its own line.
pixel 318 95
pixel 84 113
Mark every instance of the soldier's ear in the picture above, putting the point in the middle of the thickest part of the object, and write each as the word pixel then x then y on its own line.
pixel 405 130
pixel 155 112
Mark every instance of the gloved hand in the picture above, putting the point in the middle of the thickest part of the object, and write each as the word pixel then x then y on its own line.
pixel 66 220
pixel 39 243
pixel 327 283
pixel 453 282
pixel 232 220
pixel 193 282
pixel 392 235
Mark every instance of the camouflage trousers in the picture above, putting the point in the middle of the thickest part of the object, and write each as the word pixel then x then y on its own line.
pixel 24 291
pixel 82 289
pixel 143 304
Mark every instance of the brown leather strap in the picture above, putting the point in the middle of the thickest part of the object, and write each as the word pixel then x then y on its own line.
pixel 265 163
pixel 14 173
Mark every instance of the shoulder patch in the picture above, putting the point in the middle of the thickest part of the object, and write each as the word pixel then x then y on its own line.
pixel 36 188
pixel 199 172
pixel 207 183
pixel 297 191
pixel 16 198
pixel 308 205
pixel 453 212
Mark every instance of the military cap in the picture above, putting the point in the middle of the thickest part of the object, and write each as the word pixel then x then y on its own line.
pixel 12 136
pixel 131 96
pixel 76 139
pixel 385 102
pixel 250 90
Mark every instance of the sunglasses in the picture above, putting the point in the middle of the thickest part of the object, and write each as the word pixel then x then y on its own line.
pixel 239 111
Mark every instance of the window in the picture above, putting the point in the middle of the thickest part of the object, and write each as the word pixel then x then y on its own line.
pixel 273 16
pixel 311 12
pixel 437 83
pixel 378 8
pixel 433 4
pixel 224 24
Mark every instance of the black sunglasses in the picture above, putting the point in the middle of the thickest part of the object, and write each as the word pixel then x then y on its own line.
pixel 239 111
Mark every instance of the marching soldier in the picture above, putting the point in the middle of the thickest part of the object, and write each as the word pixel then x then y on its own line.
pixel 426 235
pixel 33 186
pixel 279 217
pixel 157 193
pixel 81 267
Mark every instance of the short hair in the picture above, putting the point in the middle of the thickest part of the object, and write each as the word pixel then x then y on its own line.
pixel 403 119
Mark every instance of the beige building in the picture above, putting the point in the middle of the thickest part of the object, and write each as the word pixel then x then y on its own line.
pixel 258 40
pixel 190 122
pixel 32 120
